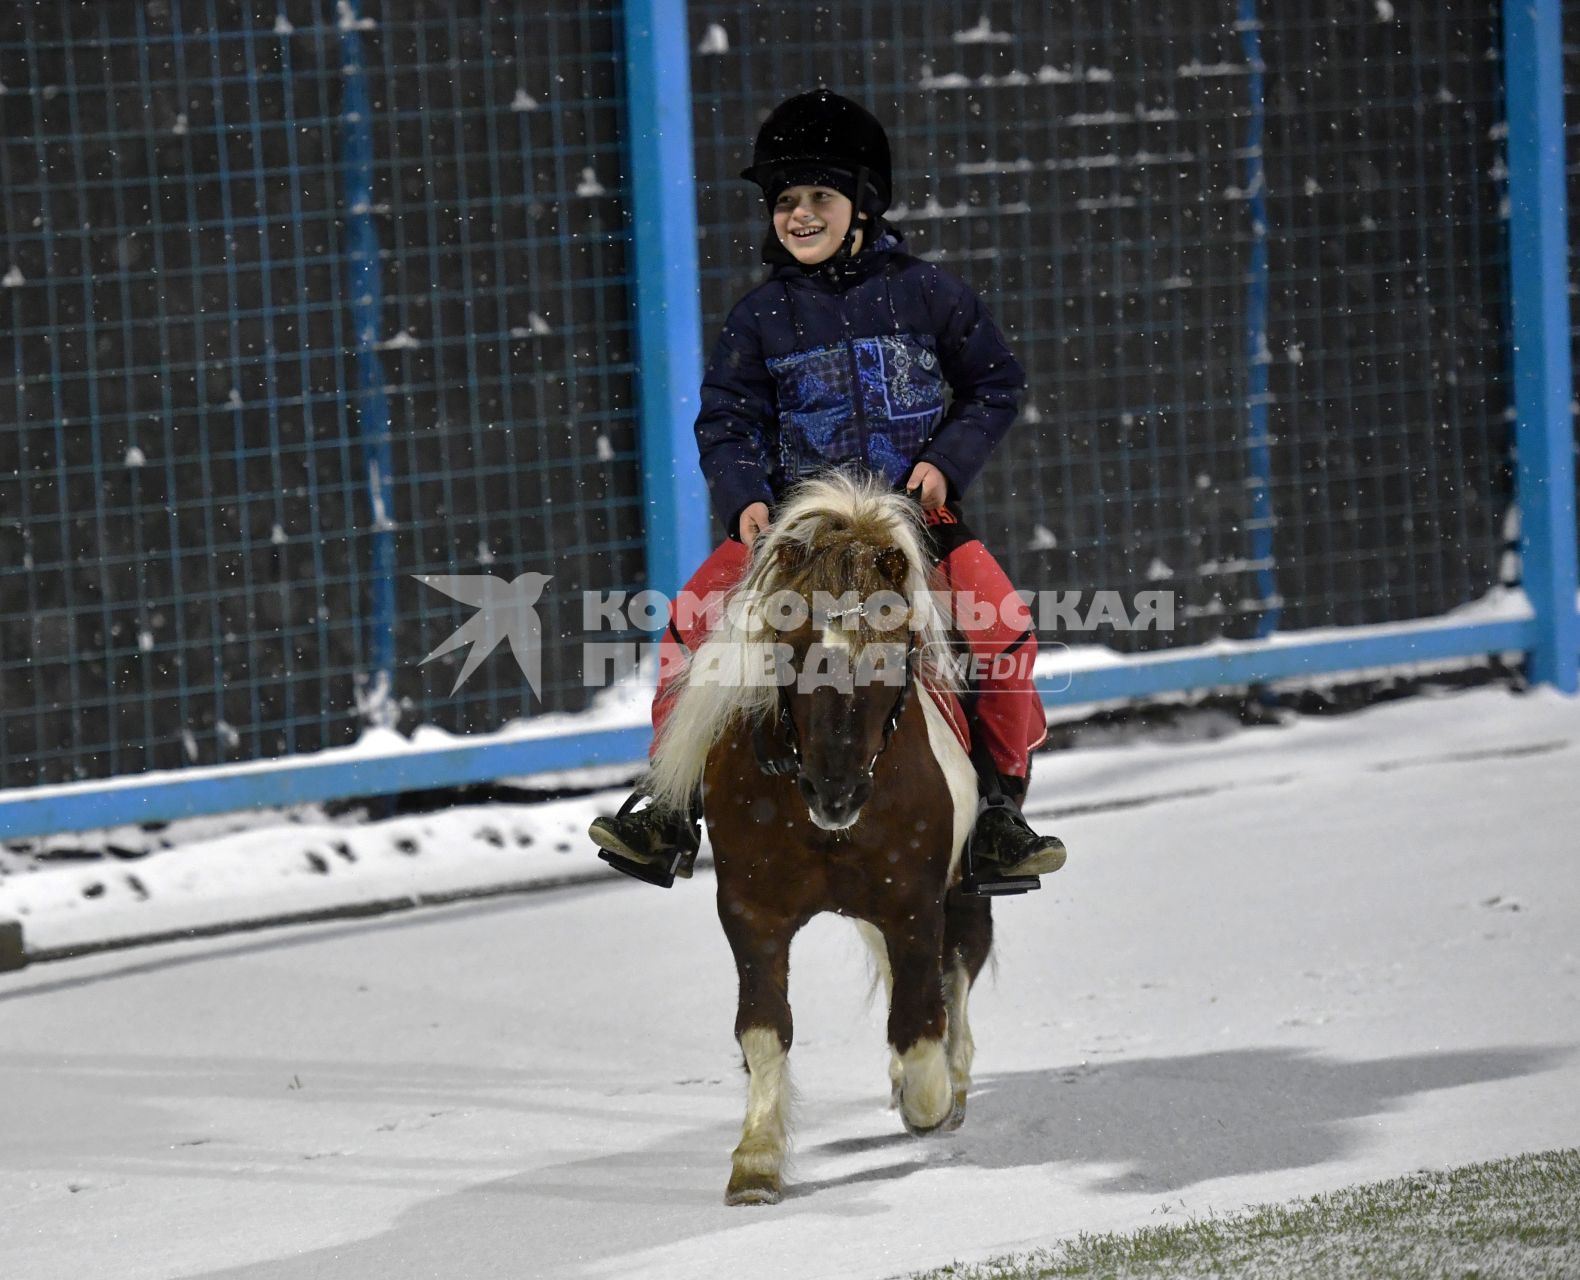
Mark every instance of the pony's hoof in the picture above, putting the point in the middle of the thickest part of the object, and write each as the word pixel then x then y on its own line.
pixel 944 1124
pixel 957 1113
pixel 753 1188
pixel 926 1107
pixel 917 1131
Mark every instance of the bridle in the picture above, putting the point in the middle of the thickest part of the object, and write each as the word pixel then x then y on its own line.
pixel 781 763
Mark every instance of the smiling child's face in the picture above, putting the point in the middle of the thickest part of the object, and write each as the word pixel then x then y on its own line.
pixel 811 222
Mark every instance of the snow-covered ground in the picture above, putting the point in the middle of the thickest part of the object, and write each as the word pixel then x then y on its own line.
pixel 1276 963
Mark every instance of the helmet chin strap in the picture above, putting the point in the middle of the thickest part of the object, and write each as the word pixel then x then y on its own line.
pixel 847 249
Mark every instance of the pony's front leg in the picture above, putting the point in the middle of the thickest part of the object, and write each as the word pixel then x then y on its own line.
pixel 917 1025
pixel 763 1028
pixel 968 938
pixel 879 949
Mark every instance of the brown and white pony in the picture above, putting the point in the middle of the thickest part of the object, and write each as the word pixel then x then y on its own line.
pixel 845 791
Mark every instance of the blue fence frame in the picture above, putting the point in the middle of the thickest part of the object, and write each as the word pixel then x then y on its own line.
pixel 668 311
pixel 669 342
pixel 1539 289
pixel 373 415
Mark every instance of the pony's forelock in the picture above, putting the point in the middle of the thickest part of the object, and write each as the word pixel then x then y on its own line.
pixel 864 513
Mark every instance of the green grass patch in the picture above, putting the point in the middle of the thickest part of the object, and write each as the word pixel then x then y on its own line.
pixel 1507 1218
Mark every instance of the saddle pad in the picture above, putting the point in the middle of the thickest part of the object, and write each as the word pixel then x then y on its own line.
pixel 954 714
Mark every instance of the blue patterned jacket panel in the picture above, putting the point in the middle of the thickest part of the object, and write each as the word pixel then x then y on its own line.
pixel 901 391
pixel 882 362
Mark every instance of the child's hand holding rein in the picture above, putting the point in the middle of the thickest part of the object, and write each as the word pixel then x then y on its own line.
pixel 924 476
pixel 754 520
pixel 930 480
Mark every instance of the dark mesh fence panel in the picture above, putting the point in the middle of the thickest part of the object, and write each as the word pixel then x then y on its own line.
pixel 501 194
pixel 1388 336
pixel 184 509
pixel 1084 166
pixel 175 491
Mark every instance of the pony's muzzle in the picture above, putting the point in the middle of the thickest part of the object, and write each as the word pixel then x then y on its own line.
pixel 834 804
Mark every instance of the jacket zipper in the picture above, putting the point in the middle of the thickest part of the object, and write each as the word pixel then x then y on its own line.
pixel 855 383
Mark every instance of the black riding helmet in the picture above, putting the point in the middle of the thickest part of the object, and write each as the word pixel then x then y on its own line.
pixel 820 138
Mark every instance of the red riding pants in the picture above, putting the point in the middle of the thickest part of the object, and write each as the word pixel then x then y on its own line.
pixel 994 623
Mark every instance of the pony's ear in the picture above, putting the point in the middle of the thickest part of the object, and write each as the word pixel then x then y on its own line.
pixel 893 567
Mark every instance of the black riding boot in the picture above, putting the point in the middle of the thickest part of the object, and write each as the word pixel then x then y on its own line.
pixel 1005 839
pixel 652 844
pixel 1003 854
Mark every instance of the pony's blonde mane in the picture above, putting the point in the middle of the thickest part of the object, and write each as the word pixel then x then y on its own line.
pixel 826 538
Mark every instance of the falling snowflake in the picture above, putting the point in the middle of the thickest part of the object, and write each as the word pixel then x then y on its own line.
pixel 714 40
pixel 523 101
pixel 589 185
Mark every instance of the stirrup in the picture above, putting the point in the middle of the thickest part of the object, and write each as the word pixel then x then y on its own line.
pixel 650 872
pixel 982 880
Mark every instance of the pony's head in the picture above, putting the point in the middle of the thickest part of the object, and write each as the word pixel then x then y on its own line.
pixel 845 667
pixel 819 646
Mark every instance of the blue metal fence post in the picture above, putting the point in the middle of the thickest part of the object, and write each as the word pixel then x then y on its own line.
pixel 1539 291
pixel 1258 451
pixel 668 312
pixel 377 699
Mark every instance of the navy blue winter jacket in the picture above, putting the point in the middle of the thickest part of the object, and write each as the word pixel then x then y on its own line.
pixel 848 363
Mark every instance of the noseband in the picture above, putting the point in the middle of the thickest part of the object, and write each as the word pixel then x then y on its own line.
pixel 776 762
